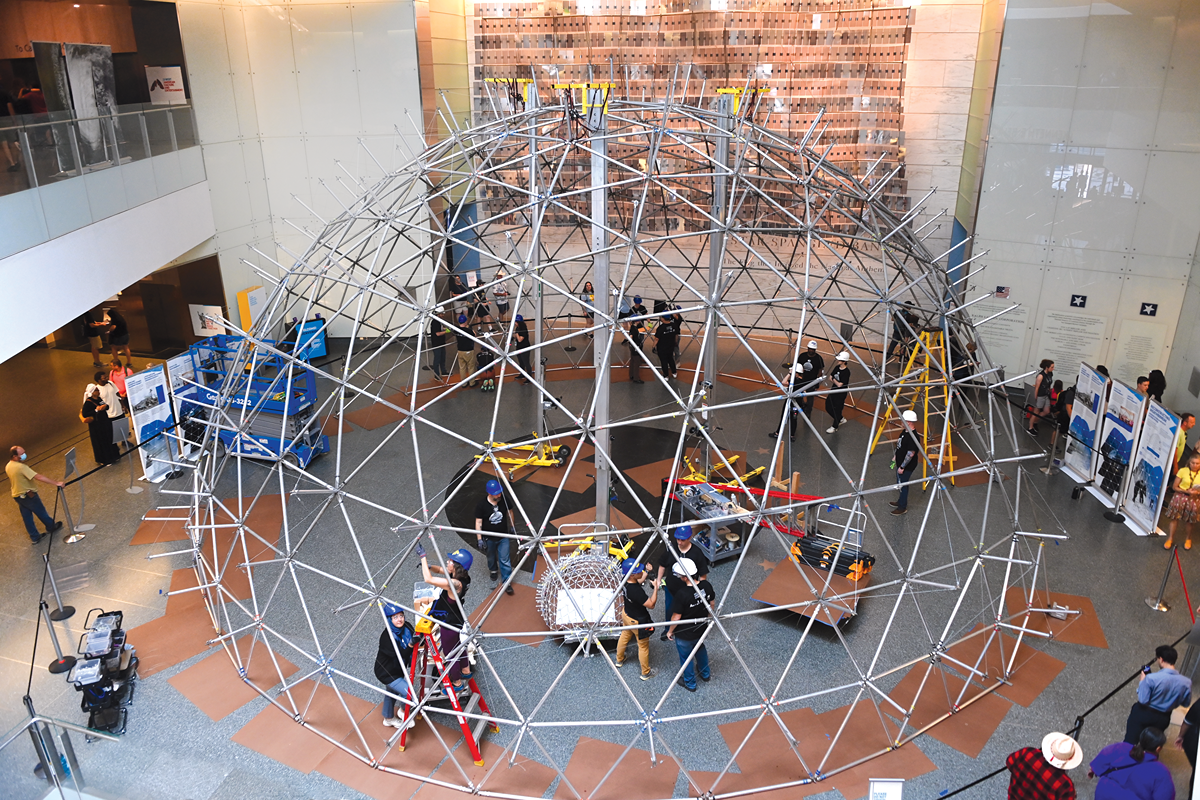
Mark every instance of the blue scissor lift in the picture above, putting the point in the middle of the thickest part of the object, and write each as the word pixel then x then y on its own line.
pixel 279 397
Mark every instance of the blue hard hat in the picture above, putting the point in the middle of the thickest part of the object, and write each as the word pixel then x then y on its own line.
pixel 637 299
pixel 630 566
pixel 494 487
pixel 520 318
pixel 683 532
pixel 391 609
pixel 461 557
pixel 462 318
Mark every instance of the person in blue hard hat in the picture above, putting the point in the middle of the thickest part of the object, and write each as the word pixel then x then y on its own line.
pixel 494 518
pixel 454 580
pixel 637 612
pixel 670 557
pixel 394 656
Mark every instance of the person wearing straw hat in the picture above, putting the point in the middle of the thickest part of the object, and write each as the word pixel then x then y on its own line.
pixel 839 379
pixel 1040 773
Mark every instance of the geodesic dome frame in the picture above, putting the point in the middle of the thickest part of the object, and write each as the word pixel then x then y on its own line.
pixel 759 244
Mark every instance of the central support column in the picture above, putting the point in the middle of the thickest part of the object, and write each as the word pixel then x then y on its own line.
pixel 716 249
pixel 602 343
pixel 535 191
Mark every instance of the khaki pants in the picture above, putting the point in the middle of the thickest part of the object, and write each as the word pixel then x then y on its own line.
pixel 643 645
pixel 466 363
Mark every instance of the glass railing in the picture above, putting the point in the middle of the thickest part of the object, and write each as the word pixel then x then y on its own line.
pixel 59 145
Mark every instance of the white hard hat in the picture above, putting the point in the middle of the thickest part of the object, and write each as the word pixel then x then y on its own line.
pixel 844 355
pixel 909 416
pixel 684 567
pixel 812 345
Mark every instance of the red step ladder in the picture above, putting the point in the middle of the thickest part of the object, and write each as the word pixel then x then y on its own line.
pixel 429 648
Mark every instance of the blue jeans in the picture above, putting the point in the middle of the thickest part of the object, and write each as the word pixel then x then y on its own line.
pixel 399 687
pixel 904 477
pixel 685 648
pixel 497 548
pixel 439 360
pixel 30 506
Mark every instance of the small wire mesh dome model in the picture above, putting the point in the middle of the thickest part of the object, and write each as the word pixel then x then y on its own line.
pixel 758 244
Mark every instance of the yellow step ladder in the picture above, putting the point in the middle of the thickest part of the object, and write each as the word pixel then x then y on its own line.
pixel 926 386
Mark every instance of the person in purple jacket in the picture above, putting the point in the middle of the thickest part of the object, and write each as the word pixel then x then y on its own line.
pixel 1133 772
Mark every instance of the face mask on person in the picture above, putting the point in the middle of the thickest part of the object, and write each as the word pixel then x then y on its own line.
pixel 23 456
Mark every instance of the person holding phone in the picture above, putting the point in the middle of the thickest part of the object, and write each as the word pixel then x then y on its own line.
pixel 1159 693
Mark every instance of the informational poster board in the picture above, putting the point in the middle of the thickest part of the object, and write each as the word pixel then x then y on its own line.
pixel 204 320
pixel 1122 420
pixel 1086 412
pixel 183 389
pixel 251 303
pixel 151 411
pixel 1151 471
pixel 312 340
pixel 166 86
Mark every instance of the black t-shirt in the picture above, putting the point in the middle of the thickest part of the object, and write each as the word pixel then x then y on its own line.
pixel 687 603
pixel 464 342
pixel 445 610
pixel 811 365
pixel 495 517
pixel 520 335
pixel 5 99
pixel 437 333
pixel 118 321
pixel 842 376
pixel 667 333
pixel 1192 737
pixel 635 606
pixel 671 555
pixel 637 332
pixel 907 450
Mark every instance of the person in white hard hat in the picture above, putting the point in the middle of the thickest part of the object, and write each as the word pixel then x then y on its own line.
pixel 839 379
pixel 793 403
pixel 812 369
pixel 689 621
pixel 1040 773
pixel 908 455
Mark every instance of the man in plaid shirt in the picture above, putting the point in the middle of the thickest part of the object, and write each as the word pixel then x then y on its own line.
pixel 1040 773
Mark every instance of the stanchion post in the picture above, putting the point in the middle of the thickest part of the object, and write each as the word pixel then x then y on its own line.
pixel 61 612
pixel 1157 603
pixel 568 347
pixel 129 453
pixel 62 663
pixel 77 531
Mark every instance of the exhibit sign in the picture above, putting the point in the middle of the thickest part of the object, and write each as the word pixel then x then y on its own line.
pixel 147 393
pixel 1070 339
pixel 312 340
pixel 182 376
pixel 166 86
pixel 1079 461
pixel 1122 420
pixel 1151 472
pixel 251 303
pixel 204 320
